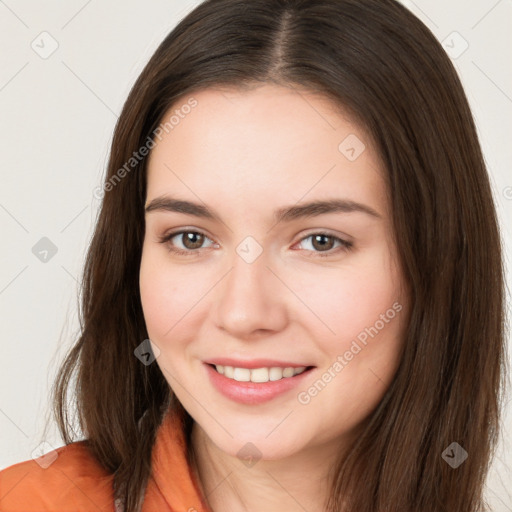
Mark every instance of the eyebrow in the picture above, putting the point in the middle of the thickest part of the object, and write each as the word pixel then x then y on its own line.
pixel 285 214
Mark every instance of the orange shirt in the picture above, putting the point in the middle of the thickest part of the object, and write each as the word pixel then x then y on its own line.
pixel 75 482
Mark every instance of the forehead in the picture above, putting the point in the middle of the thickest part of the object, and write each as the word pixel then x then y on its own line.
pixel 266 145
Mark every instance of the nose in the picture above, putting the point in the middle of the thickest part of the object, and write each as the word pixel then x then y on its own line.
pixel 251 300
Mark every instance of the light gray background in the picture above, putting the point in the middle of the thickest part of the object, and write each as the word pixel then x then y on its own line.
pixel 58 113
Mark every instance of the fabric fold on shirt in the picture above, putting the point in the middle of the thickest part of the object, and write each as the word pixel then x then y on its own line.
pixel 172 477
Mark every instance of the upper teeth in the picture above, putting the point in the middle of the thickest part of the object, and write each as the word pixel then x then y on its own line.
pixel 258 374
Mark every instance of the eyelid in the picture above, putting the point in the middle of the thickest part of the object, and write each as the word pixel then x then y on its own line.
pixel 327 232
pixel 169 234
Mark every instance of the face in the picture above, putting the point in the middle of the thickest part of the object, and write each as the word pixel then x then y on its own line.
pixel 232 282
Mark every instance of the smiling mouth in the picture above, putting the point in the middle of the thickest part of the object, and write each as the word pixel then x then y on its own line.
pixel 259 375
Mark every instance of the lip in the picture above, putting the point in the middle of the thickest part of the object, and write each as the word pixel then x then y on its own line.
pixel 253 393
pixel 254 363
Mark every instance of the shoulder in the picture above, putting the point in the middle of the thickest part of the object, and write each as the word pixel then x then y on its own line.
pixel 68 478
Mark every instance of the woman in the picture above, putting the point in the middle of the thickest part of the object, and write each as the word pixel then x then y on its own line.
pixel 329 333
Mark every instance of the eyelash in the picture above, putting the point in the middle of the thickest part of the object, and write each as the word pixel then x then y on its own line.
pixel 345 245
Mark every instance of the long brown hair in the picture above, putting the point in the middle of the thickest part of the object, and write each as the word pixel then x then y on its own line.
pixel 378 61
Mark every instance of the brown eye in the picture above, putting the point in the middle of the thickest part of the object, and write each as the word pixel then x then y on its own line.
pixel 192 240
pixel 322 242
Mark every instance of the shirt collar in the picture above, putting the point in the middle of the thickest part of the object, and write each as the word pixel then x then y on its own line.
pixel 171 471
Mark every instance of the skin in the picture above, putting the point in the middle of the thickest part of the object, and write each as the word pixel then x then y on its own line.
pixel 244 154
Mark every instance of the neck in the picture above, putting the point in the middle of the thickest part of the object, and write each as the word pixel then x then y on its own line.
pixel 295 484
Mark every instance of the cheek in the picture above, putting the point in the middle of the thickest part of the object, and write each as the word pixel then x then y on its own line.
pixel 350 299
pixel 365 314
pixel 173 298
pixel 164 294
